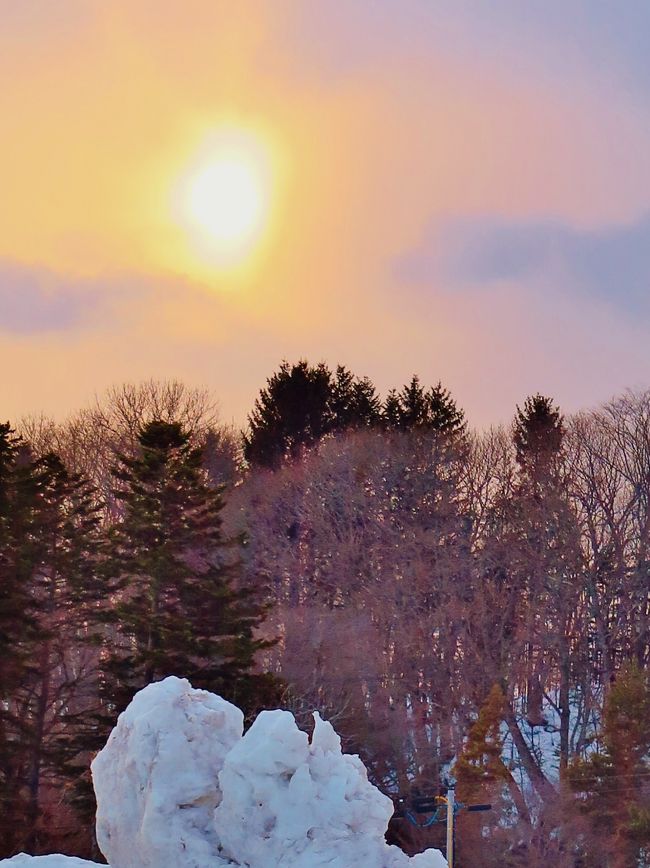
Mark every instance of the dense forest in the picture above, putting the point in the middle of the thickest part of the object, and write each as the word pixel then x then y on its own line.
pixel 465 606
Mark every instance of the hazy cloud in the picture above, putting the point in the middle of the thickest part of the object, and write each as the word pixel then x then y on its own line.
pixel 35 300
pixel 611 263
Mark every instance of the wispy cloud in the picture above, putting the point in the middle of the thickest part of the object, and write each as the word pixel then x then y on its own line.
pixel 34 301
pixel 610 263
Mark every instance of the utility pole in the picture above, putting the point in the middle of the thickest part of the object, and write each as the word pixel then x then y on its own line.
pixel 450 827
pixel 409 807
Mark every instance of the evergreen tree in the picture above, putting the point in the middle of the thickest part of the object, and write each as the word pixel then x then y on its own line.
pixel 354 402
pixel 414 406
pixel 341 398
pixel 612 783
pixel 365 404
pixel 543 545
pixel 480 765
pixel 293 410
pixel 18 626
pixel 391 411
pixel 444 415
pixel 177 608
pixel 482 776
pixel 17 610
pixel 303 403
pixel 538 434
pixel 47 521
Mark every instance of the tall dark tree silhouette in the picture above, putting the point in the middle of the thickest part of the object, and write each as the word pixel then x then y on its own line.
pixel 178 609
pixel 546 558
pixel 538 435
pixel 48 551
pixel 416 408
pixel 293 410
pixel 444 414
pixel 301 404
pixel 391 410
pixel 354 402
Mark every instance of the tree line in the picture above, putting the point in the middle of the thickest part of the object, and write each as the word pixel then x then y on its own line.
pixel 468 606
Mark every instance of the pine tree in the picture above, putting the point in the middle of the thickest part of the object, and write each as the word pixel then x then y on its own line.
pixel 18 626
pixel 341 399
pixel 47 522
pixel 414 407
pixel 303 403
pixel 391 411
pixel 354 402
pixel 545 553
pixel 612 783
pixel 444 415
pixel 538 435
pixel 480 765
pixel 482 776
pixel 17 610
pixel 177 608
pixel 61 689
pixel 294 410
pixel 365 404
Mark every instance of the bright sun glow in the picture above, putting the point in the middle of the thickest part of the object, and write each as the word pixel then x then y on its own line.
pixel 225 197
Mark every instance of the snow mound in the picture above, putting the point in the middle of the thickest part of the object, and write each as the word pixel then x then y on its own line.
pixel 179 787
pixel 49 862
pixel 156 780
pixel 290 803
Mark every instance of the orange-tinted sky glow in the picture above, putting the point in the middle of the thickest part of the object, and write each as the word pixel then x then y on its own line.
pixel 459 189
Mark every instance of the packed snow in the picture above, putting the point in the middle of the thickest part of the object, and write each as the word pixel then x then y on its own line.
pixel 178 786
pixel 55 861
pixel 156 778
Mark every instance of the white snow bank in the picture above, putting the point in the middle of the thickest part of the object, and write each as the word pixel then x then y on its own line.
pixel 49 861
pixel 179 787
pixel 290 803
pixel 156 778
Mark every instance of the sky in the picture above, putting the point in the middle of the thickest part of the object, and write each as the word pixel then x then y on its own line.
pixel 454 188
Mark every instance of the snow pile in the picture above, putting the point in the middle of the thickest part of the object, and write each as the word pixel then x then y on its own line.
pixel 290 803
pixel 179 787
pixel 49 862
pixel 156 778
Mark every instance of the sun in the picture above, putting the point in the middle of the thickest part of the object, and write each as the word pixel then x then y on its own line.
pixel 225 197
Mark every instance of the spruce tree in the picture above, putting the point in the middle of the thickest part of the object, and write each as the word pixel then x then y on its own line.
pixel 391 411
pixel 294 410
pixel 538 435
pixel 47 522
pixel 483 776
pixel 612 782
pixel 178 610
pixel 365 404
pixel 546 558
pixel 341 398
pixel 480 764
pixel 18 624
pixel 303 403
pixel 18 627
pixel 354 402
pixel 414 407
pixel 444 416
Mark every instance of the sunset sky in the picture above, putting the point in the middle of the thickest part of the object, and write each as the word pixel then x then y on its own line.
pixel 457 188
